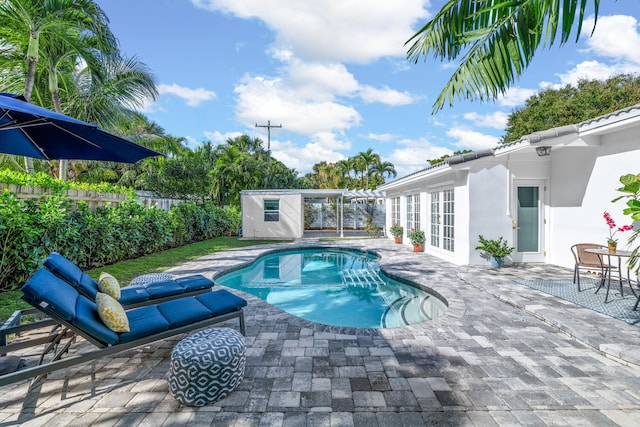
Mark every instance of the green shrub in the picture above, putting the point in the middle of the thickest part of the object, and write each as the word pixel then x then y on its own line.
pixel 31 229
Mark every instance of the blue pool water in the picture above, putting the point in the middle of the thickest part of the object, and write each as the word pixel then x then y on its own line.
pixel 334 287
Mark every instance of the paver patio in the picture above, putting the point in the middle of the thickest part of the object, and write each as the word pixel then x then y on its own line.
pixel 503 354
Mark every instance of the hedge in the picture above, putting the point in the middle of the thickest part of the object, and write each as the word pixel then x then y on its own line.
pixel 31 229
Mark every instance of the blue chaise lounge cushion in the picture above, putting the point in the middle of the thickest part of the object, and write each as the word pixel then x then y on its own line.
pixel 88 320
pixel 144 321
pixel 63 302
pixel 72 274
pixel 221 302
pixel 195 282
pixel 183 311
pixel 42 290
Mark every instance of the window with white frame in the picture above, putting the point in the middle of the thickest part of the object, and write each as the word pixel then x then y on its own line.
pixel 447 220
pixel 395 210
pixel 442 217
pixel 435 219
pixel 413 212
pixel 271 210
pixel 409 213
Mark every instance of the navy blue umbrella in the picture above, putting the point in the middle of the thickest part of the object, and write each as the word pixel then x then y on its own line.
pixel 33 131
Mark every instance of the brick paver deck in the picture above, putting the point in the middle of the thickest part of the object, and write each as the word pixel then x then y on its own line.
pixel 502 354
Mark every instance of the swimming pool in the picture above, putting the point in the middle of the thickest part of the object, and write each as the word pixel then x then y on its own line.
pixel 336 287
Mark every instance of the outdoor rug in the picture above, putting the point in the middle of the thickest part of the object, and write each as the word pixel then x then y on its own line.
pixel 617 307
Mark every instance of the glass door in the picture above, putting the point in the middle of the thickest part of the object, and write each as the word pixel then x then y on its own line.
pixel 528 225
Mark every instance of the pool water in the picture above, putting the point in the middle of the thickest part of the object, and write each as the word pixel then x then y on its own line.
pixel 336 287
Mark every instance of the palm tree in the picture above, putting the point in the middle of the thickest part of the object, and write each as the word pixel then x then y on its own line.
pixel 365 160
pixel 380 169
pixel 59 22
pixel 495 41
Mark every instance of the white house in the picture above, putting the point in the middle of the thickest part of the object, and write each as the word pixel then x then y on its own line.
pixel 543 193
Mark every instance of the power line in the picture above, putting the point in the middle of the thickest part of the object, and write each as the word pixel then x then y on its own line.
pixel 268 126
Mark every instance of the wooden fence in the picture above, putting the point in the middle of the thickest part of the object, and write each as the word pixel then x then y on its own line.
pixel 92 198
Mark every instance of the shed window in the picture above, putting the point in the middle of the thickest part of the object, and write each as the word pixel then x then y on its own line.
pixel 272 210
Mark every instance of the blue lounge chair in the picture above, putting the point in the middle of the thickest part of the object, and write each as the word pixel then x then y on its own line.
pixel 79 316
pixel 131 296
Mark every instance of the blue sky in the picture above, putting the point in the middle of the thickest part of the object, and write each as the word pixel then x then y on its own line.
pixel 333 73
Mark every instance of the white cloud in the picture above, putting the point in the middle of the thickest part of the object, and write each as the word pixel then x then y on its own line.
pixel 303 158
pixel 381 137
pixel 221 138
pixel 262 99
pixel 385 96
pixel 355 31
pixel 320 81
pixel 515 96
pixel 471 140
pixel 590 70
pixel 193 97
pixel 413 155
pixel 496 120
pixel 615 36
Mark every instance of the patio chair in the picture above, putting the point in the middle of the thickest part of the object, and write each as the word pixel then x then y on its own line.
pixel 77 315
pixel 131 296
pixel 588 261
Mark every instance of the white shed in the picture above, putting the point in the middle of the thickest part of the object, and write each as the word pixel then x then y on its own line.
pixel 279 214
pixel 543 193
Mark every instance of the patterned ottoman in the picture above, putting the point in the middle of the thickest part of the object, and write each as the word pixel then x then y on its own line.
pixel 206 366
pixel 145 279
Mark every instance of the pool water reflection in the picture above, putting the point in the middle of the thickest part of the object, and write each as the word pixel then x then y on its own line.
pixel 336 287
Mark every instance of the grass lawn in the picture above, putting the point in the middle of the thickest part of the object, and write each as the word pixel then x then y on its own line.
pixel 126 270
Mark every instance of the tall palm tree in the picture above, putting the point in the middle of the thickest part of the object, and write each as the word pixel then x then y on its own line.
pixel 381 168
pixel 365 160
pixel 494 40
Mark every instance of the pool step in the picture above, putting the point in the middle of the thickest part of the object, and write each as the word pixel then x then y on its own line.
pixel 364 277
pixel 407 310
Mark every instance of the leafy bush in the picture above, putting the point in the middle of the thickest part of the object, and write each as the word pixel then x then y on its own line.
pixel 31 229
pixel 43 180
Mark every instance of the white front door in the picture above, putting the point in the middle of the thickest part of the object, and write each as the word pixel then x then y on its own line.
pixel 528 225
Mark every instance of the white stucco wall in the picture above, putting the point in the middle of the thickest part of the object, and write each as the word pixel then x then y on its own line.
pixel 487 207
pixel 584 183
pixel 290 225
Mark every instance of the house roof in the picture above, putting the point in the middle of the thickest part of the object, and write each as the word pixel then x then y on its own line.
pixel 598 125
pixel 319 193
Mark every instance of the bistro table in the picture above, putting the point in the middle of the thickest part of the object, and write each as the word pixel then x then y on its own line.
pixel 618 254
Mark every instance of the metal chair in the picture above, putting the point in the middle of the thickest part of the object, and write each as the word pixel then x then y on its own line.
pixel 589 261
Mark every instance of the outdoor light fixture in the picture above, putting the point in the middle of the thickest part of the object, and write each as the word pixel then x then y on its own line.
pixel 543 151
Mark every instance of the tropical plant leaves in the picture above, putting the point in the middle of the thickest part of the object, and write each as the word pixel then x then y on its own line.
pixel 495 40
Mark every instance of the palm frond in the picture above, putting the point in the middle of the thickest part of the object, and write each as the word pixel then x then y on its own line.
pixel 495 39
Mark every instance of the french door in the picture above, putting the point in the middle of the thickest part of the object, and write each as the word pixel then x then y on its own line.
pixel 529 222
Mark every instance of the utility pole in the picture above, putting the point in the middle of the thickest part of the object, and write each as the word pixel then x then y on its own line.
pixel 268 126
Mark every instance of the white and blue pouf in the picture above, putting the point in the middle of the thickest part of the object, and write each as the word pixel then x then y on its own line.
pixel 207 366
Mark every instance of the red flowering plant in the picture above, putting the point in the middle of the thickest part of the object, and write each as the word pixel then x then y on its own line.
pixel 613 228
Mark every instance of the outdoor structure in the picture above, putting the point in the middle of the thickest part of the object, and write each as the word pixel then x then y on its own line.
pixel 543 193
pixel 280 214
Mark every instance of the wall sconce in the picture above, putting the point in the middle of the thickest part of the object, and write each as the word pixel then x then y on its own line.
pixel 543 151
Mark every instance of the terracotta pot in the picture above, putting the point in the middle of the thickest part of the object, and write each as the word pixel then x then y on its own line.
pixel 398 240
pixel 418 248
pixel 612 246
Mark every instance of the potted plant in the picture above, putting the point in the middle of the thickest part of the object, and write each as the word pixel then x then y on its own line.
pixel 612 243
pixel 495 250
pixel 397 231
pixel 417 239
